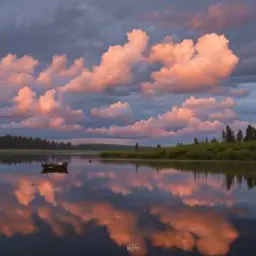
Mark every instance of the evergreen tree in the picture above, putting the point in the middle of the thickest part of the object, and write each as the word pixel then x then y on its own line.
pixel 158 146
pixel 249 135
pixel 137 147
pixel 230 136
pixel 239 136
pixel 224 137
pixel 196 141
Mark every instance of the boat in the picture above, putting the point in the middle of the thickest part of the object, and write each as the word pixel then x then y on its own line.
pixel 55 167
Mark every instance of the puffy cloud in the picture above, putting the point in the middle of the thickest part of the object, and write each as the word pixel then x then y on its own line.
pixel 211 102
pixel 58 69
pixel 190 67
pixel 115 67
pixel 206 115
pixel 25 99
pixel 46 112
pixel 25 64
pixel 25 192
pixel 225 115
pixel 121 225
pixel 46 189
pixel 211 233
pixel 115 110
pixel 47 103
pixel 16 219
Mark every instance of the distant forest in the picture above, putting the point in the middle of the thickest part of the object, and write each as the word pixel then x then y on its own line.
pixel 21 142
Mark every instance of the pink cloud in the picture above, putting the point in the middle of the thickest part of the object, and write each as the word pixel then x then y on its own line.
pixel 46 112
pixel 115 67
pixel 25 99
pixel 47 103
pixel 25 192
pixel 226 114
pixel 58 68
pixel 189 67
pixel 212 234
pixel 211 102
pixel 56 123
pixel 46 189
pixel 20 79
pixel 25 64
pixel 115 110
pixel 189 118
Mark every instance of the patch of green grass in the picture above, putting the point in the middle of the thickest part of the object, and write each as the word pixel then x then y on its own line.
pixel 245 151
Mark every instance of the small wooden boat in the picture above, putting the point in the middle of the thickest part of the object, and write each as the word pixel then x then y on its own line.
pixel 55 167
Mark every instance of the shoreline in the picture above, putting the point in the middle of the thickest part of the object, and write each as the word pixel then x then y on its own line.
pixel 175 160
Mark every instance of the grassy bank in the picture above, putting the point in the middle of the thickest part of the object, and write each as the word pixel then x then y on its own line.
pixel 243 151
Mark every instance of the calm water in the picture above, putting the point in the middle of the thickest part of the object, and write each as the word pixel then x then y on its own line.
pixel 123 209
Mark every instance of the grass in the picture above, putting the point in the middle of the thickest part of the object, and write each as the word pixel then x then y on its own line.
pixel 244 151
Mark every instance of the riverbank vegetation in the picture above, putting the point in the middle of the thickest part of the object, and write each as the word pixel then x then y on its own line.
pixel 232 146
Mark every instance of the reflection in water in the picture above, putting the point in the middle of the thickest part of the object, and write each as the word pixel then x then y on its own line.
pixel 210 233
pixel 160 211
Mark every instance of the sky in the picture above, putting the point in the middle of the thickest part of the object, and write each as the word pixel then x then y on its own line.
pixel 121 72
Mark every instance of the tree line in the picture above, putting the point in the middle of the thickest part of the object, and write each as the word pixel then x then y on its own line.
pixel 23 142
pixel 230 136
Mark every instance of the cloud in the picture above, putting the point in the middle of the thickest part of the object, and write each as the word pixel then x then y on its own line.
pixel 189 67
pixel 46 112
pixel 216 18
pixel 58 69
pixel 115 110
pixel 195 115
pixel 222 16
pixel 121 225
pixel 115 67
pixel 25 64
pixel 25 192
pixel 211 233
pixel 25 99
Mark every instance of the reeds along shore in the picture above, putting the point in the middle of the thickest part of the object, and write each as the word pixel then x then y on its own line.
pixel 210 151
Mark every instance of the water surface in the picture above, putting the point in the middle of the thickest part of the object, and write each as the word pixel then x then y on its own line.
pixel 118 208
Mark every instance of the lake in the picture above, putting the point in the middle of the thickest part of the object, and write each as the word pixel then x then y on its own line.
pixel 122 208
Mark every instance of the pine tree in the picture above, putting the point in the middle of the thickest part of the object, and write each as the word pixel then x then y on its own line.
pixel 196 141
pixel 224 137
pixel 249 135
pixel 230 136
pixel 239 136
pixel 137 147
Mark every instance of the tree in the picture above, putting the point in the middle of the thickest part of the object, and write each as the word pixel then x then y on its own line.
pixel 137 147
pixel 158 146
pixel 196 141
pixel 214 140
pixel 206 140
pixel 239 136
pixel 224 136
pixel 230 136
pixel 250 133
